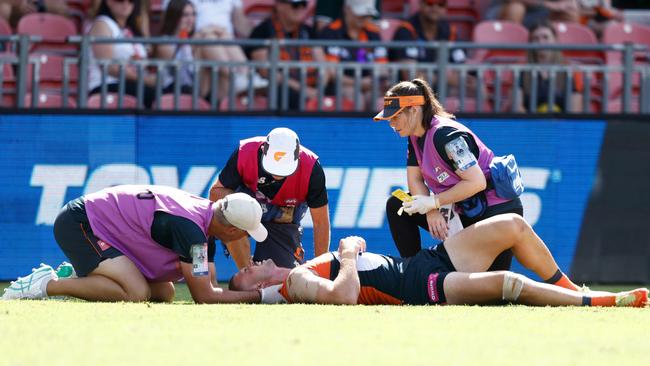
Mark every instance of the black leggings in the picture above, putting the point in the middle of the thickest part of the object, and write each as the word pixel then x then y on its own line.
pixel 406 233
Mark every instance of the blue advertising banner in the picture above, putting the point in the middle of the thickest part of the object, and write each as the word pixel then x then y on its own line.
pixel 47 160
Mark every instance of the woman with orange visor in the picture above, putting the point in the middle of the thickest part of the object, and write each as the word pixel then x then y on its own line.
pixel 448 166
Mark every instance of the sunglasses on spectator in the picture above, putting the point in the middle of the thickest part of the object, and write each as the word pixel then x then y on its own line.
pixel 295 4
pixel 442 3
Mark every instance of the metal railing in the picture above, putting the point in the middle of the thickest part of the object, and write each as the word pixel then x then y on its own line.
pixel 497 85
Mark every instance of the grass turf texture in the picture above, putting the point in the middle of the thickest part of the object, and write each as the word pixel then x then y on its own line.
pixel 56 332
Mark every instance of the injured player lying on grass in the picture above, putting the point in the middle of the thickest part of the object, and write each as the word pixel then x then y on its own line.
pixel 452 273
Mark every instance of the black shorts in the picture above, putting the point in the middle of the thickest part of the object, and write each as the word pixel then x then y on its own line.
pixel 283 245
pixel 424 276
pixel 74 235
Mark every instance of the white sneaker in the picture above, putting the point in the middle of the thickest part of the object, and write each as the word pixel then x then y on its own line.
pixel 240 82
pixel 65 270
pixel 259 82
pixel 31 286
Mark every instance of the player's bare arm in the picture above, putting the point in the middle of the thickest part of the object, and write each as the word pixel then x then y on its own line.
pixel 204 292
pixel 305 286
pixel 218 191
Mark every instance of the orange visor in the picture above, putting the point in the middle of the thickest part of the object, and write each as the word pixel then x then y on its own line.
pixel 394 105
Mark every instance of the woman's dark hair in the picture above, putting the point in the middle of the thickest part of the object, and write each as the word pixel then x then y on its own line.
pixel 532 55
pixel 558 59
pixel 173 16
pixel 131 21
pixel 431 107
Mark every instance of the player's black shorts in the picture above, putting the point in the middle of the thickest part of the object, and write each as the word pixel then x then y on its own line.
pixel 283 245
pixel 74 235
pixel 424 276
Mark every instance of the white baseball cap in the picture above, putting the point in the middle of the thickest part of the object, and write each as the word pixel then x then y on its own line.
pixel 244 212
pixel 362 8
pixel 282 152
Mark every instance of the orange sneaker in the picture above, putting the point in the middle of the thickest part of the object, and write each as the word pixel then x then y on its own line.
pixel 636 298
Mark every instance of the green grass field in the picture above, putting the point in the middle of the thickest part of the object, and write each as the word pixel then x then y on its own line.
pixel 58 332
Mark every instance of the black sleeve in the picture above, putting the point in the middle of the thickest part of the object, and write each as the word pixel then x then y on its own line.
pixel 446 134
pixel 410 53
pixel 317 193
pixel 411 159
pixel 178 234
pixel 327 33
pixel 261 31
pixel 229 176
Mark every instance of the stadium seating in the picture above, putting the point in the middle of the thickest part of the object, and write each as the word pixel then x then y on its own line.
pixel 397 8
pixel 462 15
pixel 626 33
pixel 8 86
pixel 452 105
pixel 329 104
pixel 258 10
pixel 502 32
pixel 576 33
pixel 242 103
pixel 5 28
pixel 51 73
pixel 617 33
pixel 111 101
pixel 499 32
pixel 55 29
pixel 184 103
pixel 616 106
pixel 45 100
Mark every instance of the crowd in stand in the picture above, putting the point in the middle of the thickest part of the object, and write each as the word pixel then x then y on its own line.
pixel 357 20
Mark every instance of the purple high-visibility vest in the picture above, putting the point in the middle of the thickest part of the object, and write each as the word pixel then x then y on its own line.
pixel 121 217
pixel 438 175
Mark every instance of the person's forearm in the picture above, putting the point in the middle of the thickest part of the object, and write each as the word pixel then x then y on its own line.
pixel 418 187
pixel 218 192
pixel 321 238
pixel 460 191
pixel 346 285
pixel 221 296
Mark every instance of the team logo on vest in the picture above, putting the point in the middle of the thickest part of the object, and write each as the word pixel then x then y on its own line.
pixel 442 177
pixel 290 202
pixel 261 180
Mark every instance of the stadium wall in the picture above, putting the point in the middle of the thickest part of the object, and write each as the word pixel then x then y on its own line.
pixel 48 159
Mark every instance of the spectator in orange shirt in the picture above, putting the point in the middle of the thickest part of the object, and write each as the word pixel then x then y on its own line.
pixel 286 22
pixel 355 25
pixel 429 25
pixel 597 14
